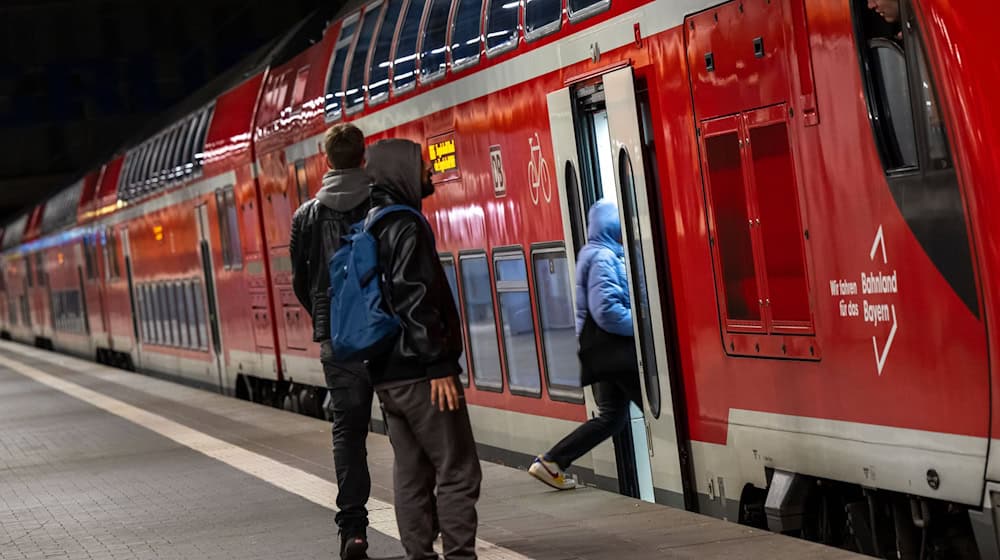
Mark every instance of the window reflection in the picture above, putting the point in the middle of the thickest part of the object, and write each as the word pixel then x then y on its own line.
pixel 501 25
pixel 449 272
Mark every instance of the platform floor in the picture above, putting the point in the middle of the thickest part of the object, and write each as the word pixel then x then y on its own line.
pixel 99 463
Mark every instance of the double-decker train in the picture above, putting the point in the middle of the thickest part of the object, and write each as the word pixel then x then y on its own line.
pixel 804 188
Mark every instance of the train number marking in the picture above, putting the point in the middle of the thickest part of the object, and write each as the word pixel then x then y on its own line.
pixel 496 167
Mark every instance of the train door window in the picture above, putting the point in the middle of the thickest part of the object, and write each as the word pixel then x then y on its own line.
pixel 520 348
pixel 448 263
pixel 112 255
pixel 477 295
pixel 541 17
pixel 781 236
pixel 154 315
pixel 556 315
pixel 501 26
pixel 582 9
pixel 229 229
pixel 40 268
pixel 378 72
pixel 161 333
pixel 730 221
pixel 199 314
pixel 29 275
pixel 302 181
pixel 433 47
pixel 335 80
pixel 354 91
pixel 404 65
pixel 466 35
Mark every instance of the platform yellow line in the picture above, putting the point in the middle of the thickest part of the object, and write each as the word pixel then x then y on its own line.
pixel 320 491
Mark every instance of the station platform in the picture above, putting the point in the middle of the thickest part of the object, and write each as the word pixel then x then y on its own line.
pixel 99 463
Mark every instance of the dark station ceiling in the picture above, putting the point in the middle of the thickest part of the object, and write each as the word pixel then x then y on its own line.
pixel 79 78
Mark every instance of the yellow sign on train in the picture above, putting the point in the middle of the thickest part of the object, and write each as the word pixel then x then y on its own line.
pixel 442 155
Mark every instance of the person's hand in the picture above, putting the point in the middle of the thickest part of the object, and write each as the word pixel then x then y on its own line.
pixel 444 393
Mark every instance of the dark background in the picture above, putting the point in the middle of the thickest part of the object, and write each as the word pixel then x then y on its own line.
pixel 79 78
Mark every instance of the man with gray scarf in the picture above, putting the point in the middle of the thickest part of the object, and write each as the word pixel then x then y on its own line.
pixel 317 229
pixel 417 380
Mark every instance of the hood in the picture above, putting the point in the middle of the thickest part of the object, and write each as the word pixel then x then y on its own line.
pixel 344 189
pixel 605 226
pixel 394 166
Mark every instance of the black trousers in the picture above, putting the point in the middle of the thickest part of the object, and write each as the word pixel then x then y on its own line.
pixel 432 448
pixel 350 406
pixel 612 399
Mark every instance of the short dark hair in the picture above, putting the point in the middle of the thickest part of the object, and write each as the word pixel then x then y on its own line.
pixel 345 146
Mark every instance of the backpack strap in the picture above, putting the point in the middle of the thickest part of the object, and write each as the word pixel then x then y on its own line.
pixel 380 213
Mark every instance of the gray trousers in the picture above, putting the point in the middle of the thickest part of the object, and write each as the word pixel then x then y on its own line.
pixel 432 448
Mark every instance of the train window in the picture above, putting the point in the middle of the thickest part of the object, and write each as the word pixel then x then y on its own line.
pixel 156 317
pixel 90 256
pixel 112 255
pixel 466 36
pixel 938 154
pixel 541 17
pixel 180 297
pixel 302 181
pixel 199 314
pixel 518 323
pixel 175 157
pixel 501 26
pixel 335 80
pixel 404 65
pixel 448 263
pixel 143 312
pixel 175 315
pixel 354 93
pixel 477 295
pixel 892 97
pixel 433 47
pixel 553 291
pixel 378 73
pixel 40 268
pixel 731 224
pixel 29 276
pixel 194 322
pixel 582 9
pixel 299 89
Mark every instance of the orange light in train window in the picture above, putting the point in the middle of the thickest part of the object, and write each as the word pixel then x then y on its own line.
pixel 61 258
pixel 158 233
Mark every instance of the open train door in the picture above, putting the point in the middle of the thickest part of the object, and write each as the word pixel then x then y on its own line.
pixel 210 298
pixel 599 145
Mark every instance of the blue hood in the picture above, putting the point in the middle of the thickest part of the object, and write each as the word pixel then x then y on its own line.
pixel 605 227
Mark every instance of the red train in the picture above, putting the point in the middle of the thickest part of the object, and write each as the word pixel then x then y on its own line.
pixel 805 188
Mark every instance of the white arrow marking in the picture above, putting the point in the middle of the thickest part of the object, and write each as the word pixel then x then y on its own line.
pixel 879 239
pixel 880 359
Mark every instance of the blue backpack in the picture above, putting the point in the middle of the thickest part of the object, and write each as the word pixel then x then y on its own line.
pixel 361 322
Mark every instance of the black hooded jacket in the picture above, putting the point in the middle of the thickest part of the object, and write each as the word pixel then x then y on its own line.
pixel 431 343
pixel 317 228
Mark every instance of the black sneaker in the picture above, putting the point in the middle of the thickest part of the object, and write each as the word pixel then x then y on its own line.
pixel 354 548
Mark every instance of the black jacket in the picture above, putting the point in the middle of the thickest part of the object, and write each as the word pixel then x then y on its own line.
pixel 317 229
pixel 431 343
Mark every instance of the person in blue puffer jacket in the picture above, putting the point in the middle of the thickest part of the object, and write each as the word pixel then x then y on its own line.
pixel 602 292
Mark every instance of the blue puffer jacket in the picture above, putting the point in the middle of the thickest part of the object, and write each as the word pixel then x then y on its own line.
pixel 601 282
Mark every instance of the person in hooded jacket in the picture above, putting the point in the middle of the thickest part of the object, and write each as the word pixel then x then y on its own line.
pixel 602 293
pixel 317 228
pixel 417 381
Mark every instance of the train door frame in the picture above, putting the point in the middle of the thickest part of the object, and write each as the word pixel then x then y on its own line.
pixel 574 139
pixel 211 295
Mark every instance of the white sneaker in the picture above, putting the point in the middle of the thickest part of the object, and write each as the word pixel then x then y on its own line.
pixel 550 473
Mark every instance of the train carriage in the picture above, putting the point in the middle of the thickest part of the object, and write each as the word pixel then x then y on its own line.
pixel 803 185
